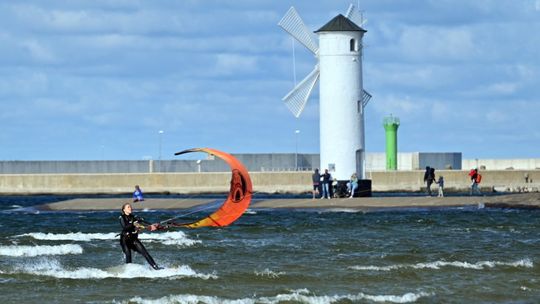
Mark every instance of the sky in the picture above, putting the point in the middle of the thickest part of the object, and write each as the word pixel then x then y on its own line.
pixel 99 79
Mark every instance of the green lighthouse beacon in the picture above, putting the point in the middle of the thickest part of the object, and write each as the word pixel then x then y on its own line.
pixel 391 125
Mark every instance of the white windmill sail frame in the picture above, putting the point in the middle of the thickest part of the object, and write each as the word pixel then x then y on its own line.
pixel 297 98
pixel 293 24
pixel 365 98
pixel 355 16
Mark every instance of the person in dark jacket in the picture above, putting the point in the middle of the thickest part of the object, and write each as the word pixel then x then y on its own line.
pixel 129 237
pixel 326 184
pixel 316 179
pixel 426 174
pixel 429 178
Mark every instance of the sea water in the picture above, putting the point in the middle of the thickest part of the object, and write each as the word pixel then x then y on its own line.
pixel 454 255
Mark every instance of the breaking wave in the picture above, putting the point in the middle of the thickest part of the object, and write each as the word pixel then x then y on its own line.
pixel 269 274
pixel 32 251
pixel 301 296
pixel 527 263
pixel 52 268
pixel 73 236
pixel 178 238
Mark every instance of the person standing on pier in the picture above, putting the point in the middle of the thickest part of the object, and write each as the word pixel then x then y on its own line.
pixel 476 178
pixel 429 178
pixel 326 181
pixel 316 179
pixel 440 182
pixel 426 175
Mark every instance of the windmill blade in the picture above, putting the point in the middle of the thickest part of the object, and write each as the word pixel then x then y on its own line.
pixel 365 98
pixel 293 24
pixel 297 98
pixel 355 16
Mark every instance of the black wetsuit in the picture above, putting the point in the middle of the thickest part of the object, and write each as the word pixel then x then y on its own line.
pixel 129 238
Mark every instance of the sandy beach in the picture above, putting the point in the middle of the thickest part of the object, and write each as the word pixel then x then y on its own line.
pixel 523 200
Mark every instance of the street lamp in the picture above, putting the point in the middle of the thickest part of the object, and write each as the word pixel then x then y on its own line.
pixel 296 150
pixel 160 140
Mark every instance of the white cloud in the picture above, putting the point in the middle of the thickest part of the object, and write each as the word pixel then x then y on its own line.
pixel 441 111
pixel 411 75
pixel 229 64
pixel 496 117
pixel 500 89
pixel 432 43
pixel 505 88
pixel 17 84
pixel 103 119
pixel 39 52
pixel 54 107
pixel 398 106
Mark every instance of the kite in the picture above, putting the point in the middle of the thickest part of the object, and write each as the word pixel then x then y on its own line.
pixel 237 201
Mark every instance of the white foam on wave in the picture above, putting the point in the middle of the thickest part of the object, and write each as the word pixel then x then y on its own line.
pixel 72 236
pixel 178 238
pixel 32 251
pixel 269 273
pixel 250 211
pixel 302 296
pixel 52 268
pixel 343 210
pixel 527 263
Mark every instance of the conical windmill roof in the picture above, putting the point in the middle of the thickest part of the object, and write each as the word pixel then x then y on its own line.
pixel 340 23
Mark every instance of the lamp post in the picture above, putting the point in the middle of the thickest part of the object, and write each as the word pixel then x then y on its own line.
pixel 160 132
pixel 296 132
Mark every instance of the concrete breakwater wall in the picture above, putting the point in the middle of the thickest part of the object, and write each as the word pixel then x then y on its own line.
pixel 268 182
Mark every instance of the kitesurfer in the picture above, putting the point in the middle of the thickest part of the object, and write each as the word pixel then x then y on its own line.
pixel 129 237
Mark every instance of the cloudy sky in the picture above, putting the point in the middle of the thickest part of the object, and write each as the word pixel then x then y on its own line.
pixel 98 79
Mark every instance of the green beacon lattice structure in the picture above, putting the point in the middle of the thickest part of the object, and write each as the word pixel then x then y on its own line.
pixel 391 125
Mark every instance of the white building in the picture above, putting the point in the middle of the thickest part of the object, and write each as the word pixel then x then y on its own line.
pixel 341 102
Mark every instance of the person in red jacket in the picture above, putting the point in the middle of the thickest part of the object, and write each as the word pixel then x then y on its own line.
pixel 475 180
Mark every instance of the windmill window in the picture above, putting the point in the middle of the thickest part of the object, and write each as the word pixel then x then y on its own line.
pixel 352 44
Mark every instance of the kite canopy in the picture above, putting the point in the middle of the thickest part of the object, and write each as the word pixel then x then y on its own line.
pixel 239 194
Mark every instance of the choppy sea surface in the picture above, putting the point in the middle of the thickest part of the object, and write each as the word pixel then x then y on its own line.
pixel 454 255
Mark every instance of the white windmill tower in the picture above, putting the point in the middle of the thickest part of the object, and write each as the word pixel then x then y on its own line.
pixel 342 97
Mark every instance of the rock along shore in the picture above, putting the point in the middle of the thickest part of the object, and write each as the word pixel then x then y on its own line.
pixel 519 201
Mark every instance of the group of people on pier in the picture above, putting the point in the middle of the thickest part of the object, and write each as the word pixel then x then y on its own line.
pixel 323 185
pixel 429 179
